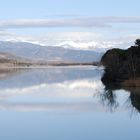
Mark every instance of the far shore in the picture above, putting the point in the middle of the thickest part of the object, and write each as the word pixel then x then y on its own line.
pixel 49 66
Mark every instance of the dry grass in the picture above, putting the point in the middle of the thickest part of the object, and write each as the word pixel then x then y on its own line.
pixel 131 83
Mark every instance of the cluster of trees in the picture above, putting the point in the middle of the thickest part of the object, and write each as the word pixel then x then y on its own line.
pixel 121 64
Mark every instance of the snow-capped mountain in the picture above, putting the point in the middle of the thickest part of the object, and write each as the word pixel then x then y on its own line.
pixel 92 45
pixel 34 51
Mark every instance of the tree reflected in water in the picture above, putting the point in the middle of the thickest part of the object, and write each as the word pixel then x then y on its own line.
pixel 109 97
pixel 135 100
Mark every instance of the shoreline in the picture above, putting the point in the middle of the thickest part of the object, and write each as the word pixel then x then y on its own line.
pixel 46 67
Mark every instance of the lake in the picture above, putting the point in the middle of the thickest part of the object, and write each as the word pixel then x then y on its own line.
pixel 65 103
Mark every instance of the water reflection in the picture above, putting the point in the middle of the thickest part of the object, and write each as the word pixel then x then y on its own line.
pixel 109 97
pixel 134 99
pixel 67 104
pixel 51 89
pixel 31 77
pixel 63 89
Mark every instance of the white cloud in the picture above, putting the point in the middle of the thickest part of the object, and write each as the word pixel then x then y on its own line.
pixel 76 40
pixel 73 40
pixel 98 22
pixel 37 23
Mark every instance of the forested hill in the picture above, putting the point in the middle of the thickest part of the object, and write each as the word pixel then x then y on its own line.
pixel 122 65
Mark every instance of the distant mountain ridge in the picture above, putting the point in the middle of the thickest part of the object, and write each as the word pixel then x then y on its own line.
pixel 34 51
pixel 9 58
pixel 96 46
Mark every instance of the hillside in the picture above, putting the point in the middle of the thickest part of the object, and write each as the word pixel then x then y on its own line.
pixel 38 52
pixel 10 60
pixel 122 67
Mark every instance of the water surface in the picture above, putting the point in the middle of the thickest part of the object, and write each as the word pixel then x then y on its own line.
pixel 65 104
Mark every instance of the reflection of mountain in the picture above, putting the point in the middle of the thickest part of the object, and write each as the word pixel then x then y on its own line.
pixel 30 77
pixel 33 51
pixel 61 89
pixel 51 89
pixel 7 73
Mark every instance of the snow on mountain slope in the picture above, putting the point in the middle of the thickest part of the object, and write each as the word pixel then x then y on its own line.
pixel 92 45
pixel 34 51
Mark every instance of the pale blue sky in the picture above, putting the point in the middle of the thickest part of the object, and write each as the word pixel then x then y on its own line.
pixel 44 8
pixel 36 18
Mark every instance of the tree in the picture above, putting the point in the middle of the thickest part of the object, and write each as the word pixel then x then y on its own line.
pixel 121 65
pixel 137 42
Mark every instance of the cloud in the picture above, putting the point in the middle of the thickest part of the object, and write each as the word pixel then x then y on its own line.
pixel 38 23
pixel 79 88
pixel 62 15
pixel 64 106
pixel 98 22
pixel 74 40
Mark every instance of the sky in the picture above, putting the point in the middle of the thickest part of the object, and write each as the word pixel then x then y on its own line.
pixel 80 23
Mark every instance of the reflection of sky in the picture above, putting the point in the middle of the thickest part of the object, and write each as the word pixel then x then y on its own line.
pixel 69 94
pixel 76 94
pixel 66 110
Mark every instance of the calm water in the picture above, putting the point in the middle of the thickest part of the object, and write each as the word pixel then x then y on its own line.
pixel 65 104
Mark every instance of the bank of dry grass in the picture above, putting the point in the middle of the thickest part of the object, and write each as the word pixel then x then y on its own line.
pixel 131 83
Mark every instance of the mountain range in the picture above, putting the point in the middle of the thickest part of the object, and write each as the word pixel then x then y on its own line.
pixel 49 53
